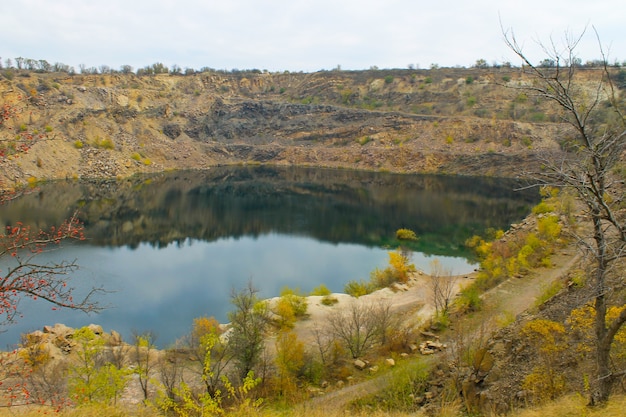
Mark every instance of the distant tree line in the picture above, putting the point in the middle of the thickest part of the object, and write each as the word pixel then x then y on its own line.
pixel 43 66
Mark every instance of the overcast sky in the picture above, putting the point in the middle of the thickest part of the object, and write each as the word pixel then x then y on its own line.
pixel 299 35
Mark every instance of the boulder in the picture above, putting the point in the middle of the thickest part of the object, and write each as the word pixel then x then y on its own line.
pixel 359 364
pixel 59 331
pixel 115 339
pixel 96 329
pixel 390 362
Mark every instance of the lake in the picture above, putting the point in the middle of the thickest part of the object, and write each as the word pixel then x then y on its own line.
pixel 171 247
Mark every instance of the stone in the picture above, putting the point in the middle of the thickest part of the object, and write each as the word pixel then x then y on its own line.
pixel 429 335
pixel 122 100
pixel 390 362
pixel 96 329
pixel 359 364
pixel 115 339
pixel 59 330
pixel 434 345
pixel 413 348
pixel 35 337
pixel 373 369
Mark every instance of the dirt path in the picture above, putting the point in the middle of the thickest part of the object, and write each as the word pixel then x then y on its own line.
pixel 501 304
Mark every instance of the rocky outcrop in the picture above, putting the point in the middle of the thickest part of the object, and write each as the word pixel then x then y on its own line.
pixel 418 122
pixel 58 340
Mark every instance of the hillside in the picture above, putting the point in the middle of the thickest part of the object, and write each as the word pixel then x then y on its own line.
pixel 453 121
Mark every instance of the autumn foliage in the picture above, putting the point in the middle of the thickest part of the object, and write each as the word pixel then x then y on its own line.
pixel 23 277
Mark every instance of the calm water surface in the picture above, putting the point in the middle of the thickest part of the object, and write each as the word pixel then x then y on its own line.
pixel 171 247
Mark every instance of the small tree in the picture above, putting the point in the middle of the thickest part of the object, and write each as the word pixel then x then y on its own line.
pixel 93 379
pixel 442 286
pixel 289 361
pixel 210 351
pixel 144 358
pixel 248 323
pixel 361 327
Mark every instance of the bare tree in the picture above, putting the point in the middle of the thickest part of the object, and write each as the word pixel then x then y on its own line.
pixel 589 164
pixel 442 285
pixel 170 367
pixel 361 326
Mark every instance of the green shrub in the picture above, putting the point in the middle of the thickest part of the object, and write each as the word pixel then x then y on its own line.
pixel 548 292
pixel 469 79
pixel 104 143
pixel 358 288
pixel 469 300
pixel 388 79
pixel 537 117
pixel 406 383
pixel 78 144
pixel 329 300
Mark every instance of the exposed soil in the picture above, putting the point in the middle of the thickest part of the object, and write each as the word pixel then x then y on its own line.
pixel 116 125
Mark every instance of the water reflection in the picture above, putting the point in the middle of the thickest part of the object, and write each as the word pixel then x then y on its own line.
pixel 172 246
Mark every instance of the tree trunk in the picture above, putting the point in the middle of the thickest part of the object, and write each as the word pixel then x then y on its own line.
pixel 603 337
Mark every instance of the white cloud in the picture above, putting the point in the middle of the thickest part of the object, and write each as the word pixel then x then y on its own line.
pixel 295 35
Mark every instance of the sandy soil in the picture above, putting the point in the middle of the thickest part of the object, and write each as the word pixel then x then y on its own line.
pixel 412 301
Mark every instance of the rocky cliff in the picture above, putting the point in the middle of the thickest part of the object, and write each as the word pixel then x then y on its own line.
pixel 456 121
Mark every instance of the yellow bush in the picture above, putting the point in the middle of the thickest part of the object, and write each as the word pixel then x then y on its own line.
pixel 544 382
pixel 321 290
pixel 405 234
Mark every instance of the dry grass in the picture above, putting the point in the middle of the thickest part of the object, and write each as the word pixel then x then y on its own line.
pixel 576 406
pixel 569 406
